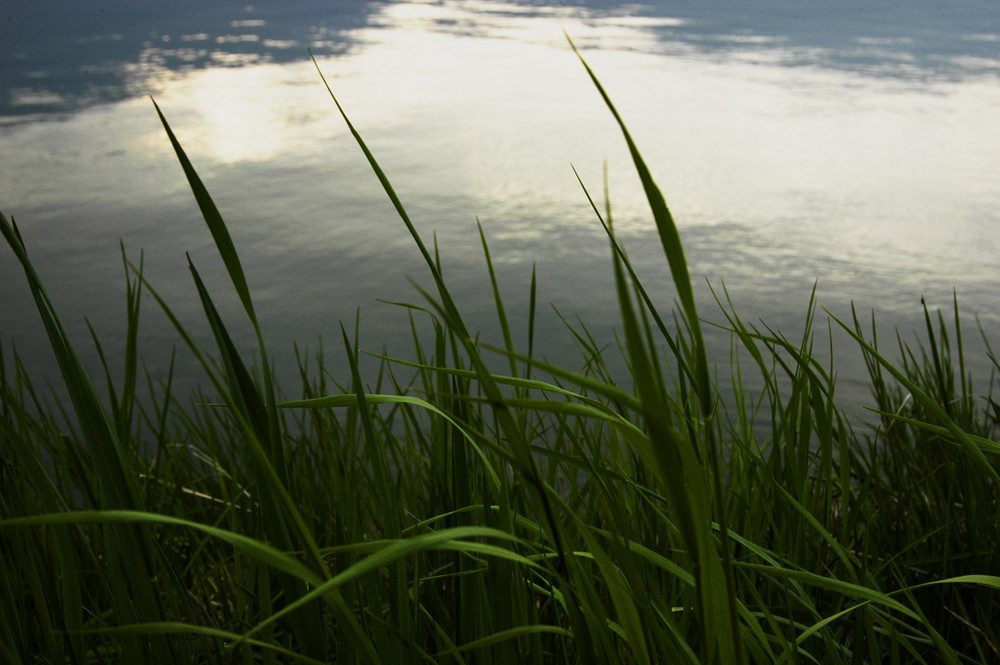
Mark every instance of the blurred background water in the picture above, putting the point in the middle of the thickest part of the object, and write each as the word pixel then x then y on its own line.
pixel 853 146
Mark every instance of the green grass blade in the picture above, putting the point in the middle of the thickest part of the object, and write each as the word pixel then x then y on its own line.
pixel 397 550
pixel 213 219
pixel 672 247
pixel 259 550
pixel 94 421
pixel 450 314
pixel 926 400
pixel 503 636
pixel 716 583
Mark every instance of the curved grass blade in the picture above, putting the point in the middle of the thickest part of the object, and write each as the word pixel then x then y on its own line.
pixel 259 550
pixel 672 247
pixel 259 411
pixel 848 589
pixel 450 314
pixel 213 219
pixel 352 400
pixel 399 549
pixel 611 392
pixel 503 636
pixel 716 583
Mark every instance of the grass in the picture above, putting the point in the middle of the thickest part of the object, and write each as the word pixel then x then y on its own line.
pixel 442 512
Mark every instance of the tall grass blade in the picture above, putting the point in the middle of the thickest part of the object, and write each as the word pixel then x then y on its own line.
pixel 449 312
pixel 213 219
pixel 715 576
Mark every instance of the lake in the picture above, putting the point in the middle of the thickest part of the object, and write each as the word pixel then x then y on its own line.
pixel 850 145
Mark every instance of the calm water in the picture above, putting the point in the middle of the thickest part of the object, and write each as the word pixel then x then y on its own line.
pixel 853 145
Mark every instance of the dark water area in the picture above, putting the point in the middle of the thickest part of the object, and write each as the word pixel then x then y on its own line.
pixel 850 146
pixel 62 56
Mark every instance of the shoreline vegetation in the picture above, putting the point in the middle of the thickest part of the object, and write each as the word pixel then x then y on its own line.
pixel 443 512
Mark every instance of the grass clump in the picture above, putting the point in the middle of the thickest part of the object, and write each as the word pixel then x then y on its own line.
pixel 444 512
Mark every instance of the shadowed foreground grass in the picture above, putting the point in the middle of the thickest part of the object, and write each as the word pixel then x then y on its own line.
pixel 442 512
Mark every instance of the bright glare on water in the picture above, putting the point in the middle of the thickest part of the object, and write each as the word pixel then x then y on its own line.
pixel 853 147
